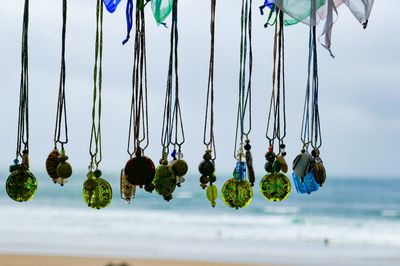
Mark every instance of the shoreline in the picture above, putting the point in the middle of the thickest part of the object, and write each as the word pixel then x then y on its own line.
pixel 49 260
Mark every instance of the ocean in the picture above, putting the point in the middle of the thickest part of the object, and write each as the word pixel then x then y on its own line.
pixel 349 221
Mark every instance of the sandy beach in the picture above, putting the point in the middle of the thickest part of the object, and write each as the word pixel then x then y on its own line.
pixel 25 260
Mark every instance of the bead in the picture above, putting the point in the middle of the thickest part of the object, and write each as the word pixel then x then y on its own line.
pixel 204 179
pixel 301 164
pixel 270 156
pixel 252 176
pixel 21 186
pixel 282 162
pixel 97 193
pixel 275 187
pixel 14 167
pixel 247 147
pixel 149 187
pixel 240 171
pixel 212 178
pixel 164 180
pixel 305 185
pixel 16 161
pixel 268 167
pixel 140 171
pixel 207 156
pixel 97 173
pixel 282 146
pixel 180 180
pixel 52 163
pixel 179 155
pixel 64 170
pixel 179 167
pixel 212 195
pixel 206 168
pixel 168 197
pixel 319 173
pixel 237 194
pixel 276 166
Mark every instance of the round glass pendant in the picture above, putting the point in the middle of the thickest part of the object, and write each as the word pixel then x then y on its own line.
pixel 97 192
pixel 52 163
pixel 21 185
pixel 140 171
pixel 237 194
pixel 275 186
pixel 165 181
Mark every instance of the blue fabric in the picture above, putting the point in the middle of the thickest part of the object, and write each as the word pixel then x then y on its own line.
pixel 308 184
pixel 267 3
pixel 129 20
pixel 111 5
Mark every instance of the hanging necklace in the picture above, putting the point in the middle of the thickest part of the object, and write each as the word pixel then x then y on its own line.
pixel 57 167
pixel 308 170
pixel 170 175
pixel 207 166
pixel 275 186
pixel 139 170
pixel 237 192
pixel 97 192
pixel 21 185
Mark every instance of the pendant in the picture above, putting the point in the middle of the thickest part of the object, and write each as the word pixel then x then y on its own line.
pixel 237 193
pixel 127 190
pixel 21 185
pixel 207 170
pixel 164 180
pixel 140 171
pixel 97 192
pixel 303 174
pixel 52 163
pixel 57 167
pixel 212 194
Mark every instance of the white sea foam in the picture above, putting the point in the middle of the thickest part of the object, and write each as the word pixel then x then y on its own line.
pixel 169 234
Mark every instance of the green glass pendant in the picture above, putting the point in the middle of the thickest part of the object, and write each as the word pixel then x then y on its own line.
pixel 97 192
pixel 165 181
pixel 21 185
pixel 237 193
pixel 275 186
pixel 212 194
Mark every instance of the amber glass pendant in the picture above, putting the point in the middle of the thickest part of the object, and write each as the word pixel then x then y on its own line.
pixel 57 167
pixel 97 192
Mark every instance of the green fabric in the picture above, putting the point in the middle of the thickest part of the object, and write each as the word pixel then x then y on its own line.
pixel 161 9
pixel 298 10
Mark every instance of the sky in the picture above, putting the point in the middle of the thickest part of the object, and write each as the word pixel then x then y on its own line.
pixel 359 89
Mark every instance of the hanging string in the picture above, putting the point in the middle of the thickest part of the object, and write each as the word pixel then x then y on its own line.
pixel 208 135
pixel 23 114
pixel 177 134
pixel 277 107
pixel 138 121
pixel 244 104
pixel 172 127
pixel 95 149
pixel 61 116
pixel 316 140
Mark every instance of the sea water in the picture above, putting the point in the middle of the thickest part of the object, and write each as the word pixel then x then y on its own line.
pixel 349 221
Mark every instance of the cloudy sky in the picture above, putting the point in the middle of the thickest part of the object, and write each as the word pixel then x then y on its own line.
pixel 359 89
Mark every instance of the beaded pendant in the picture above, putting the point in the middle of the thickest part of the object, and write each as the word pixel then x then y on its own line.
pixel 97 192
pixel 275 186
pixel 57 167
pixel 237 192
pixel 165 180
pixel 303 173
pixel 21 185
pixel 179 167
pixel 140 171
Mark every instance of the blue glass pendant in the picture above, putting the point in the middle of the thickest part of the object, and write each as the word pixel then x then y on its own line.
pixel 307 185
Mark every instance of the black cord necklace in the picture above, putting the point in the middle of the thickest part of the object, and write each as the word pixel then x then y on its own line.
pixel 275 186
pixel 237 192
pixel 207 166
pixel 308 170
pixel 139 170
pixel 97 192
pixel 170 175
pixel 21 185
pixel 57 167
